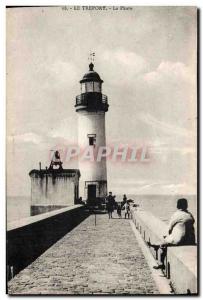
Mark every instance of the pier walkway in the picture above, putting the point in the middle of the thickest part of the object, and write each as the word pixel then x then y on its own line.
pixel 101 259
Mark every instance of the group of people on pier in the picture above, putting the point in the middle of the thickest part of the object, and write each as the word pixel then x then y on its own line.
pixel 112 205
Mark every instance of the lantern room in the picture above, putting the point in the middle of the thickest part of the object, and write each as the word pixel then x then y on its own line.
pixel 91 81
pixel 91 97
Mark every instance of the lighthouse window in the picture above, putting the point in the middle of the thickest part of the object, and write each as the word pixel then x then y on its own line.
pixel 92 139
pixel 92 86
pixel 97 87
pixel 89 87
pixel 83 90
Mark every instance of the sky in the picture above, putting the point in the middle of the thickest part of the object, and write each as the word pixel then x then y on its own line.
pixel 147 59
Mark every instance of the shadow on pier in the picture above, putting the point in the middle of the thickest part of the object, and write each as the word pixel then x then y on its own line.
pixel 29 238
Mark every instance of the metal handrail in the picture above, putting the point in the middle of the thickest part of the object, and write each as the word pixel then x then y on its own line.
pixel 82 99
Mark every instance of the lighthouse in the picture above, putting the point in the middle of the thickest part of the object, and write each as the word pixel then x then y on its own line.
pixel 91 106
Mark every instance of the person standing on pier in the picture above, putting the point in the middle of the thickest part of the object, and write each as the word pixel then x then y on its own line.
pixel 124 200
pixel 126 208
pixel 180 232
pixel 119 210
pixel 110 204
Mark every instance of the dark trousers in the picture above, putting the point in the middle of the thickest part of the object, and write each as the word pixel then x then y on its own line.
pixel 162 251
pixel 127 214
pixel 110 214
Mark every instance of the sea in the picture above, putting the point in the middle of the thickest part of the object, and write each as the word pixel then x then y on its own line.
pixel 17 207
pixel 162 206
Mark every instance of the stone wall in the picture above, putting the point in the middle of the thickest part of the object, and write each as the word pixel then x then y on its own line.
pixel 53 189
pixel 30 237
pixel 181 261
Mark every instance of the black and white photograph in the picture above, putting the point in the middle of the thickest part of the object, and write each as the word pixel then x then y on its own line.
pixel 101 150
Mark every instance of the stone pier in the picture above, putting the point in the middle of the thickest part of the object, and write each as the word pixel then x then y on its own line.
pixel 101 259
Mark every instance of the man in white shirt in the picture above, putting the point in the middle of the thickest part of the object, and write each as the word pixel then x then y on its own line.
pixel 180 232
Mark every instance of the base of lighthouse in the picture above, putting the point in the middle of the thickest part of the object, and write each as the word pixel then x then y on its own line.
pixel 93 190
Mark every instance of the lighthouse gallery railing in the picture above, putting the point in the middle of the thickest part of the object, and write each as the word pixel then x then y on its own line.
pixel 92 100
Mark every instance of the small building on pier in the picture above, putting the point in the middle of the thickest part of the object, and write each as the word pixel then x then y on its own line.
pixel 53 189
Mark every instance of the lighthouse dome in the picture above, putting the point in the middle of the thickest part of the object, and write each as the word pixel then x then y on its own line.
pixel 91 75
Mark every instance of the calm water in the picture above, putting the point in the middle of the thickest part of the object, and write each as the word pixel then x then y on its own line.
pixel 17 208
pixel 161 206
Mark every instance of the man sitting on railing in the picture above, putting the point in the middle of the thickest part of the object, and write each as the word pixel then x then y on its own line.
pixel 180 232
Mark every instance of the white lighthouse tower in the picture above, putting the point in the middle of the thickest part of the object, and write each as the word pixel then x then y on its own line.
pixel 91 106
